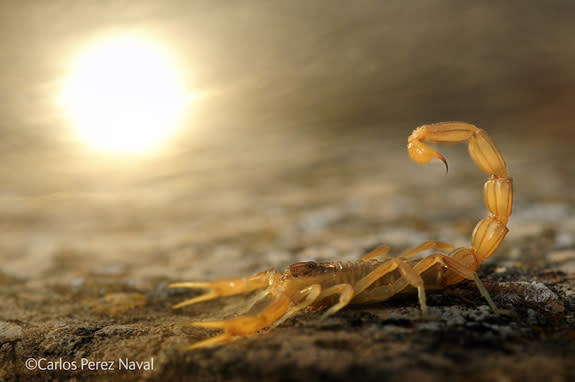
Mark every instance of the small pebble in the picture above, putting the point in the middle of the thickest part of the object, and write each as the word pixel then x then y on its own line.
pixel 564 239
pixel 76 284
pixel 110 270
pixel 533 292
pixel 562 256
pixel 115 330
pixel 10 332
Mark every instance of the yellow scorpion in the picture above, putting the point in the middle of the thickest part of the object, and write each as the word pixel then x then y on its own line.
pixel 376 277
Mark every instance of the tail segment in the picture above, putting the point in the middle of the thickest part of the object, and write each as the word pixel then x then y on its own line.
pixel 498 190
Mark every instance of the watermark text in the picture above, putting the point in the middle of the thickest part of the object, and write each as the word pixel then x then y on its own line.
pixel 45 364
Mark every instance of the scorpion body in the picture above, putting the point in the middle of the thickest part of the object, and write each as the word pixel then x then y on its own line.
pixel 376 276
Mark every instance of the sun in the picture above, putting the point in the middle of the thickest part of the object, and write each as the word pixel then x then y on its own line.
pixel 124 95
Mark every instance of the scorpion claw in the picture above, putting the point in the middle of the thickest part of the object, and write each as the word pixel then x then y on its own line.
pixel 207 296
pixel 210 342
pixel 208 324
pixel 204 297
pixel 224 287
pixel 190 285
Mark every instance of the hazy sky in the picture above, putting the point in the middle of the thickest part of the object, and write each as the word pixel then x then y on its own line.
pixel 311 64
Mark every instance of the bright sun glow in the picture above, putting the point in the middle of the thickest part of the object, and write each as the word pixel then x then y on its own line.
pixel 124 95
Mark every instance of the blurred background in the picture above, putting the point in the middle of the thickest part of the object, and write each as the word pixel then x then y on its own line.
pixel 272 127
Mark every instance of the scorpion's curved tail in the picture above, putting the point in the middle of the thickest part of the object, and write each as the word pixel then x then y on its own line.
pixel 497 192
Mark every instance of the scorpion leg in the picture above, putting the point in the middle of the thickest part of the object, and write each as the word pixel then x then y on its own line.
pixel 412 277
pixel 381 293
pixel 345 292
pixel 254 300
pixel 459 269
pixel 382 250
pixel 224 287
pixel 429 244
pixel 309 295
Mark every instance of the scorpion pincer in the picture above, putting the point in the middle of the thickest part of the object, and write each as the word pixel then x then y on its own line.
pixel 376 277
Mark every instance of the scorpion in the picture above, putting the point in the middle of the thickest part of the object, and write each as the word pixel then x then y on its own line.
pixel 376 276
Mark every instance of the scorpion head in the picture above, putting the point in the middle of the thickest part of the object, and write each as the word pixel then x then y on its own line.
pixel 307 269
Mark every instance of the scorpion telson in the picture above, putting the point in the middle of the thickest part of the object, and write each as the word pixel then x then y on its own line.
pixel 376 276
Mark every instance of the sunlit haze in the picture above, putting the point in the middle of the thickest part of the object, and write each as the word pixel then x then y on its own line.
pixel 124 95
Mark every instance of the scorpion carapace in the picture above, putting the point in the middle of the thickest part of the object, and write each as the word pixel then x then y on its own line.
pixel 376 277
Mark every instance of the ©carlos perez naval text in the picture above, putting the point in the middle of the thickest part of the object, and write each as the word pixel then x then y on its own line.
pixel 45 364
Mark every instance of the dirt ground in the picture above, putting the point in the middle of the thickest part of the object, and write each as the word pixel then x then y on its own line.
pixel 307 164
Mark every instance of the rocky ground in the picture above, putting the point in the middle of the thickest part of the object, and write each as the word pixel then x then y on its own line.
pixel 84 274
